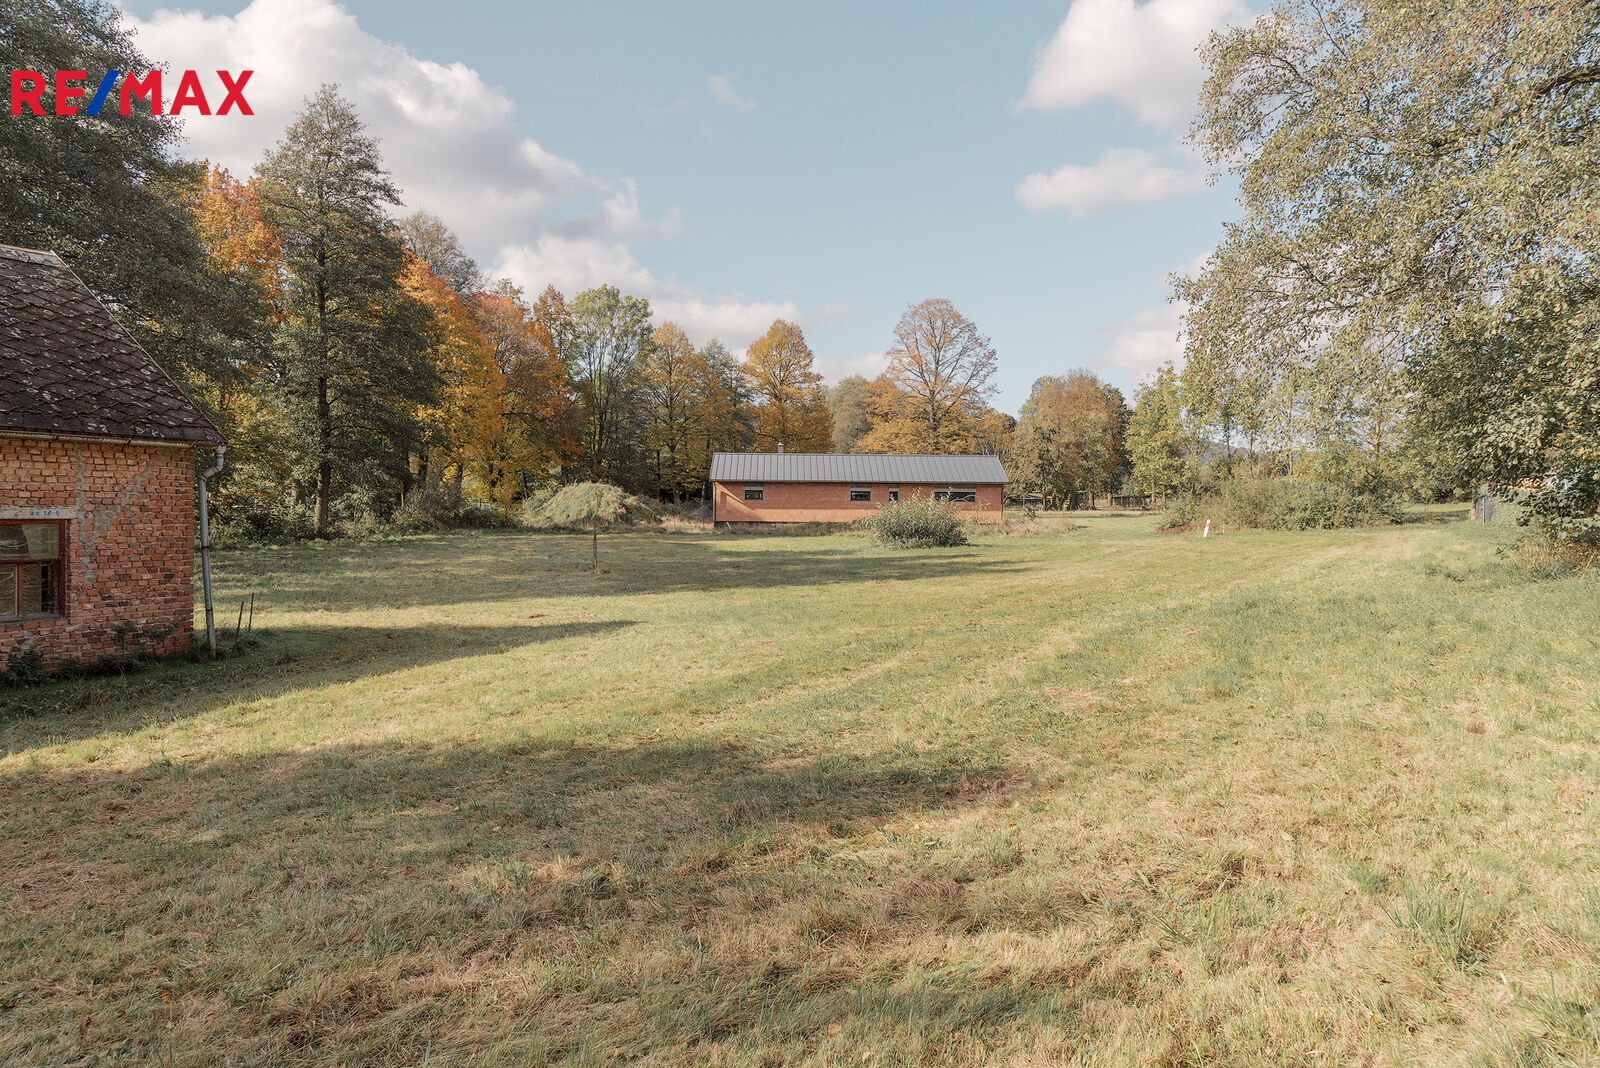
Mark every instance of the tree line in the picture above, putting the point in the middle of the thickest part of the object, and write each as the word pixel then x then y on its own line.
pixel 361 363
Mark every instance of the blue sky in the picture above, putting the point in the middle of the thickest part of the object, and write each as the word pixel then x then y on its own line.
pixel 829 163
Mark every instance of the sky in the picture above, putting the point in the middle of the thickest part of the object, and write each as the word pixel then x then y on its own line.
pixel 827 163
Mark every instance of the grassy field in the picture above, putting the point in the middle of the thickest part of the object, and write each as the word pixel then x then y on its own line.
pixel 1090 795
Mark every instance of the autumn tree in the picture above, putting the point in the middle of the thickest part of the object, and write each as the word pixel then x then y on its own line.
pixel 945 369
pixel 1415 180
pixel 672 379
pixel 541 413
pixel 605 348
pixel 1070 436
pixel 433 242
pixel 723 407
pixel 350 357
pixel 790 405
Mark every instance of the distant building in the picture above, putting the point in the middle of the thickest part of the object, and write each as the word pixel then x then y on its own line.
pixel 97 477
pixel 797 487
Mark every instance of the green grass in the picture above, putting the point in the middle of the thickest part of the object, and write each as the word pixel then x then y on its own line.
pixel 1090 795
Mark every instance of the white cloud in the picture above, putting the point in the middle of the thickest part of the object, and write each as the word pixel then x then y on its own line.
pixel 1120 176
pixel 867 365
pixel 450 142
pixel 1139 55
pixel 1145 340
pixel 722 90
pixel 573 264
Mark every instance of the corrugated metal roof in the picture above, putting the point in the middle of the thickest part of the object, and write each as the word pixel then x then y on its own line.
pixel 854 467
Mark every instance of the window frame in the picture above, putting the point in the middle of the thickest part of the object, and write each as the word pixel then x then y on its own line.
pixel 758 489
pixel 893 492
pixel 863 488
pixel 958 493
pixel 11 568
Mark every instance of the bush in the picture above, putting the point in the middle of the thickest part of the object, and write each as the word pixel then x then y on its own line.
pixel 917 523
pixel 261 521
pixel 1291 503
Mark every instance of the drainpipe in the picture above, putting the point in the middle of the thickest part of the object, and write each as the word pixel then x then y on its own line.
pixel 205 548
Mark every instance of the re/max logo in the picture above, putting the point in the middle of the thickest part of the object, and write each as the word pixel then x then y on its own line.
pixel 28 88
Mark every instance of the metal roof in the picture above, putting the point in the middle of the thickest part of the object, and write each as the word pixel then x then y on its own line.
pixel 855 467
pixel 68 367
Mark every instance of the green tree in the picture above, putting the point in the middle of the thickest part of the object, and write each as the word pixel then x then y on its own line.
pixel 1414 178
pixel 108 193
pixel 350 355
pixel 605 346
pixel 1158 446
pixel 847 403
pixel 434 243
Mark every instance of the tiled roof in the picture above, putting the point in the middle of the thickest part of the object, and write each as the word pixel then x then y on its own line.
pixel 855 467
pixel 68 367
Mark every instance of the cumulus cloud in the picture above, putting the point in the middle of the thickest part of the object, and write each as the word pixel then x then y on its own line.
pixel 1138 55
pixel 722 90
pixel 450 141
pixel 572 264
pixel 1144 341
pixel 1120 176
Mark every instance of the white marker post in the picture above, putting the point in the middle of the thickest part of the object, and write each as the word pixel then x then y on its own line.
pixel 1206 533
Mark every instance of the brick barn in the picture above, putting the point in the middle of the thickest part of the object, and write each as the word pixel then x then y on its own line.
pixel 97 477
pixel 797 487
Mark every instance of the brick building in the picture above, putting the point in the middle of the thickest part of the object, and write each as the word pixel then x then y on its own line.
pixel 97 477
pixel 797 487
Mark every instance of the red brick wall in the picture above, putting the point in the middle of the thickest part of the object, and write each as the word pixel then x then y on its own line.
pixel 129 548
pixel 824 502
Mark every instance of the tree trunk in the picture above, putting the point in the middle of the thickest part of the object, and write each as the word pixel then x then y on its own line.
pixel 324 457
pixel 594 545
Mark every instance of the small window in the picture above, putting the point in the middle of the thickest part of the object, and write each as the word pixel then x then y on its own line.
pixel 754 491
pixel 894 493
pixel 959 494
pixel 861 493
pixel 32 575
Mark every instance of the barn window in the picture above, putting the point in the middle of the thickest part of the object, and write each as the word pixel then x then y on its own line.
pixel 32 575
pixel 960 494
pixel 894 493
pixel 861 493
pixel 754 491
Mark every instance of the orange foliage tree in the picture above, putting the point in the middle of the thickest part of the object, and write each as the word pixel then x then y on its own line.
pixel 791 406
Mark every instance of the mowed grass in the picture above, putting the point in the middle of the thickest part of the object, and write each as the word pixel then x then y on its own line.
pixel 1087 796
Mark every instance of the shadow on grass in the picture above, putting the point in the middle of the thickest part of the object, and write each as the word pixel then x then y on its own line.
pixel 289 659
pixel 354 901
pixel 517 565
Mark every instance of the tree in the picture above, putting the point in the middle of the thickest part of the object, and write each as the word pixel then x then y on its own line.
pixel 790 407
pixel 847 405
pixel 1413 179
pixel 108 195
pixel 945 368
pixel 541 414
pixel 350 357
pixel 607 341
pixel 723 409
pixel 1157 442
pixel 465 429
pixel 1070 436
pixel 672 377
pixel 594 505
pixel 430 240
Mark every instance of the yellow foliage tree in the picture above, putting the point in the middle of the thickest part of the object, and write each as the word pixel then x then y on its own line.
pixel 672 379
pixel 943 371
pixel 466 427
pixel 790 404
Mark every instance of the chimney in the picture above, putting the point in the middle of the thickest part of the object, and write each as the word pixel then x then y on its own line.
pixel 780 447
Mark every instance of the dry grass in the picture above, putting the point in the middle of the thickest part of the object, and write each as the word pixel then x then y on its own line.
pixel 1069 797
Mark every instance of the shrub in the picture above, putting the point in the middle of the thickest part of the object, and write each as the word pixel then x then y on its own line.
pixel 918 523
pixel 1290 503
pixel 258 521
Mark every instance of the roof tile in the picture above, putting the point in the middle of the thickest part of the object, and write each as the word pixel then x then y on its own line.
pixel 68 367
